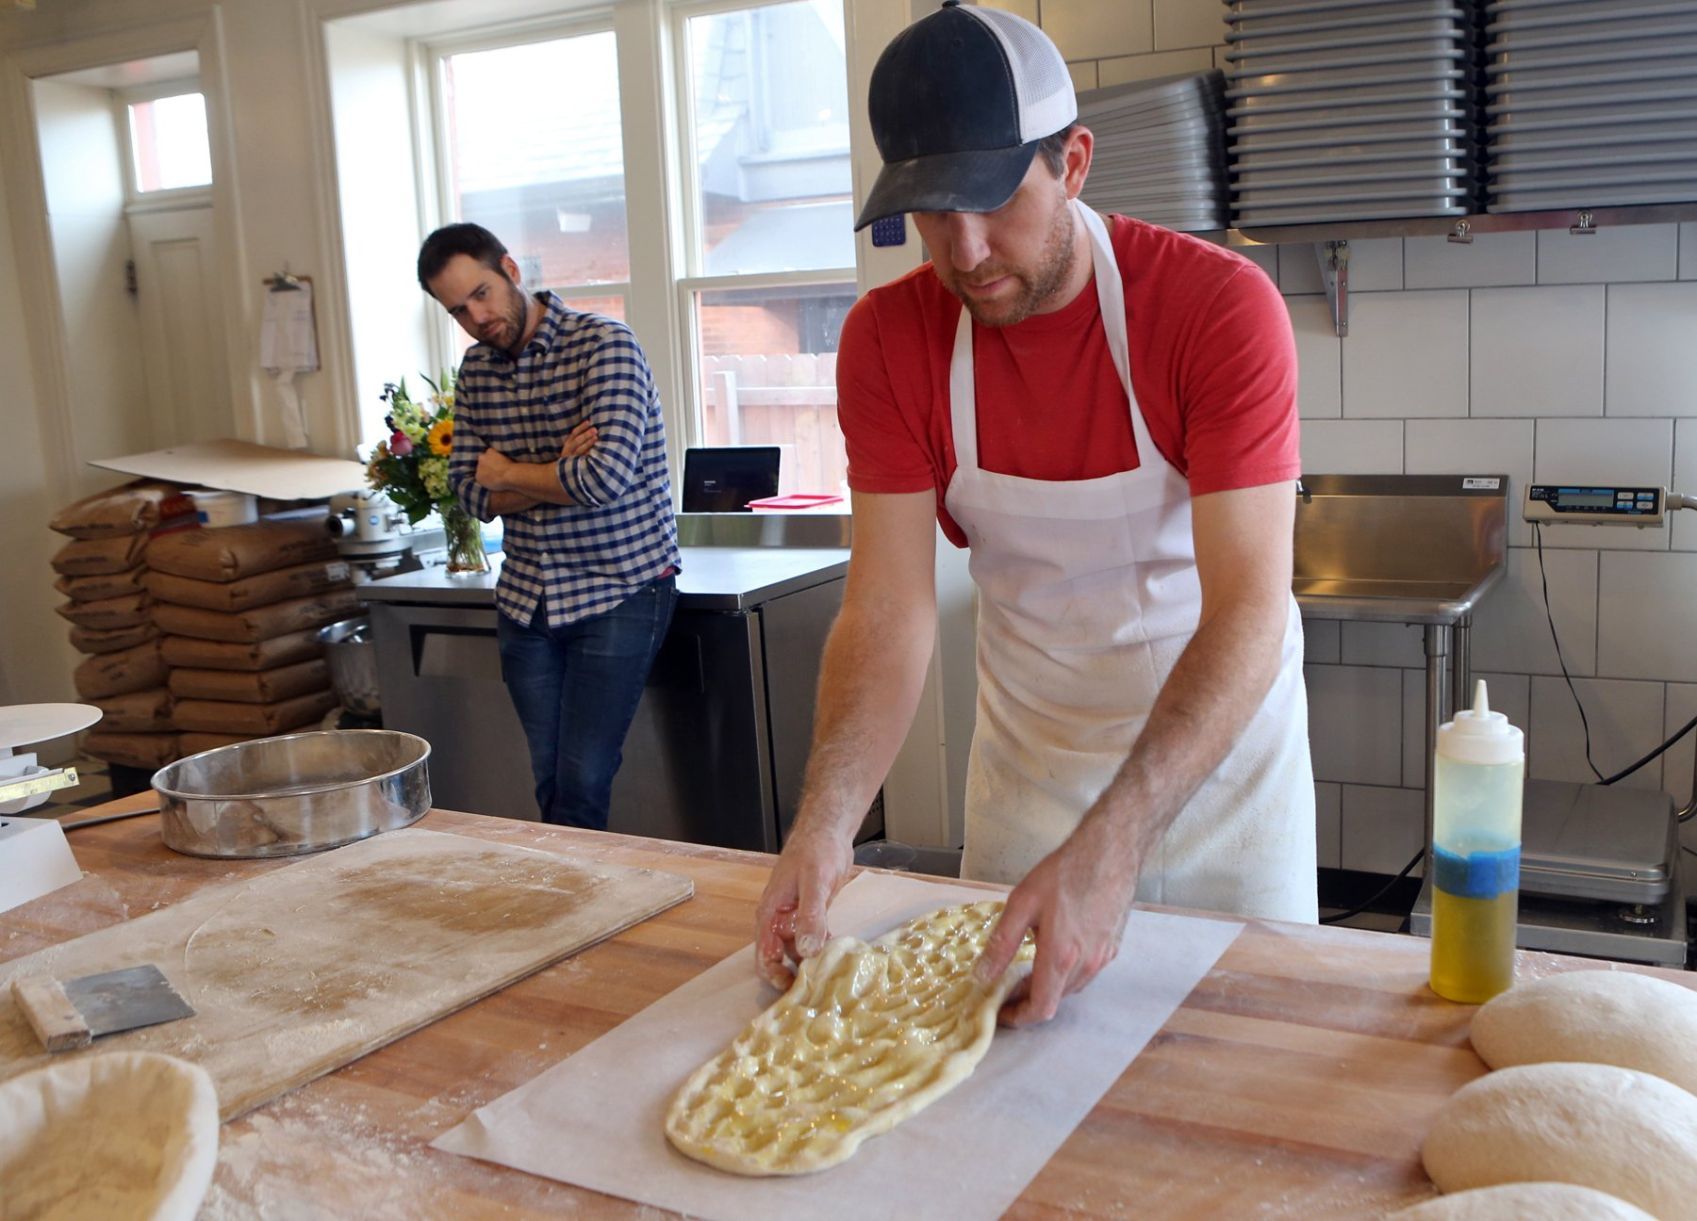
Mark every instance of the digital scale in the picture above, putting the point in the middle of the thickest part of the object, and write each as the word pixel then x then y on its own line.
pixel 34 857
pixel 1600 868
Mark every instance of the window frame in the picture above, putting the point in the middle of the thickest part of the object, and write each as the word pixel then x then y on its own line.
pixel 429 98
pixel 685 191
pixel 665 274
pixel 171 198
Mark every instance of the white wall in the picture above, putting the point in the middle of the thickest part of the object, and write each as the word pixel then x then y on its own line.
pixel 1549 356
pixel 84 181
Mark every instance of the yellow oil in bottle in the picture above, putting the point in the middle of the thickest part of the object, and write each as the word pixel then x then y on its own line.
pixel 1472 945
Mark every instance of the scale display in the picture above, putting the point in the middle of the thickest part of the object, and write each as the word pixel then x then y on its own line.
pixel 1595 506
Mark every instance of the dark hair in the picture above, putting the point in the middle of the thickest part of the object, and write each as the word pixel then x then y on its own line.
pixel 1053 149
pixel 451 240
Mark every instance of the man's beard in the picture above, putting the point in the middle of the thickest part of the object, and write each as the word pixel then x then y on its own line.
pixel 1036 288
pixel 510 330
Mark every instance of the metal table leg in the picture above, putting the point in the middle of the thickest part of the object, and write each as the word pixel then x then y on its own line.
pixel 1437 659
pixel 1461 693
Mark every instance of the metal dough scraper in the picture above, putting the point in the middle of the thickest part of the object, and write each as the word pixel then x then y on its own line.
pixel 75 1012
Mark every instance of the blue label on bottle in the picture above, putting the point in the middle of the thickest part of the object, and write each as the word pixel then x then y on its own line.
pixel 1478 875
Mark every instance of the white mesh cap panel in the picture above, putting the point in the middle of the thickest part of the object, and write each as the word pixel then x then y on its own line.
pixel 1046 99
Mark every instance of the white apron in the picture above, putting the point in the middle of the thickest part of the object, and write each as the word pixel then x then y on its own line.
pixel 1088 593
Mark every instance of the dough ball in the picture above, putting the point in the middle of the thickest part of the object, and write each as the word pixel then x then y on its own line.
pixel 1596 1017
pixel 126 1134
pixel 1615 1129
pixel 1517 1201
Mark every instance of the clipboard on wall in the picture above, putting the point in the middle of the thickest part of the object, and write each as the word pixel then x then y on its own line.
pixel 288 329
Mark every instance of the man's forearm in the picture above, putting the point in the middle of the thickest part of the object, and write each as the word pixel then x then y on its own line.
pixel 510 502
pixel 537 482
pixel 869 684
pixel 1214 689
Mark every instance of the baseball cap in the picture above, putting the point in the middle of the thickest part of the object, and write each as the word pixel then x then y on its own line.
pixel 958 103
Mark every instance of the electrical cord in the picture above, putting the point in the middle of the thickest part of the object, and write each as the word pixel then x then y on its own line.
pixel 1538 537
pixel 1544 580
pixel 1377 895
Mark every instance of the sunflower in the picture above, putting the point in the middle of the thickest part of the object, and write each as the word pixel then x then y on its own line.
pixel 441 436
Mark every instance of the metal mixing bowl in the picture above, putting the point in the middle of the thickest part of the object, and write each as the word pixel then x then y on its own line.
pixel 302 792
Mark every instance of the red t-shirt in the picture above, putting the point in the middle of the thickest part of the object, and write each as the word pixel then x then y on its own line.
pixel 1213 364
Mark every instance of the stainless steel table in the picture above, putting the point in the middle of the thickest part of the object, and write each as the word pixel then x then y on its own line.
pixel 1415 549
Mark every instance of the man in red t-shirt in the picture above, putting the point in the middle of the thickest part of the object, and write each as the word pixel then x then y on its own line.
pixel 1104 413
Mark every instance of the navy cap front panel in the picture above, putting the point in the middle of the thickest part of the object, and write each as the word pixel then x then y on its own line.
pixel 943 85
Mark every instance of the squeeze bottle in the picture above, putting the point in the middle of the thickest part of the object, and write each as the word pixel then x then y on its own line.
pixel 1479 777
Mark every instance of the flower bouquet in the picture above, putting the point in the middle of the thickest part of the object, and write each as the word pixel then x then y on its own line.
pixel 411 468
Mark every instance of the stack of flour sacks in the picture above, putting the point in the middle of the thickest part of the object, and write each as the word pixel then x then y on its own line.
pixel 1591 1111
pixel 238 609
pixel 102 574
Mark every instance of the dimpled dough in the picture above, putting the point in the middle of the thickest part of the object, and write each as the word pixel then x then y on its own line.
pixel 1598 1017
pixel 123 1134
pixel 866 1036
pixel 1620 1131
pixel 1518 1201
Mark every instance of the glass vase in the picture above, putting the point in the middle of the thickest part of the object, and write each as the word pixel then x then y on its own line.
pixel 465 542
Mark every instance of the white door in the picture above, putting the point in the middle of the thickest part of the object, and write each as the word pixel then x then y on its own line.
pixel 182 327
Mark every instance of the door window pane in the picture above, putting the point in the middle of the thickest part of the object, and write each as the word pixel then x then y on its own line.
pixel 168 143
pixel 768 363
pixel 535 154
pixel 768 101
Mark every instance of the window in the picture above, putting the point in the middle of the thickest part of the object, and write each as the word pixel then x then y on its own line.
pixel 751 232
pixel 770 233
pixel 532 149
pixel 169 150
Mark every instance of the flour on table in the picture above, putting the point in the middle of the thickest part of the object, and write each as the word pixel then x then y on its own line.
pixel 867 1035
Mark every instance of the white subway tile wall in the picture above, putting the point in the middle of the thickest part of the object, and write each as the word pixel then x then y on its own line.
pixel 1406 355
pixel 1319 355
pixel 1543 355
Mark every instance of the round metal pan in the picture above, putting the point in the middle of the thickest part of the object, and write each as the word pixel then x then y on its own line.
pixel 289 795
pixel 1505 57
pixel 1362 16
pixel 1593 197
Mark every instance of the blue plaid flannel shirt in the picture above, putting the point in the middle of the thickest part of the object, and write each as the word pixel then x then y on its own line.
pixel 619 533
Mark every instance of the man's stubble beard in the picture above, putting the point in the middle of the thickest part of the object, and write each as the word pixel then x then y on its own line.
pixel 1051 275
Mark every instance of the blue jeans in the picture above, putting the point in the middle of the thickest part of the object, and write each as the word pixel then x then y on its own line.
pixel 576 689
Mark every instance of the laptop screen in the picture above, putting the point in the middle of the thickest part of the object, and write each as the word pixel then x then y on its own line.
pixel 725 479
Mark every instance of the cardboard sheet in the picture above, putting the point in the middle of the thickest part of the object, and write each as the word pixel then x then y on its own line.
pixel 596 1119
pixel 241 466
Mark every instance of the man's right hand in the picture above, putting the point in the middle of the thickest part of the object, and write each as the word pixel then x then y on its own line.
pixel 790 919
pixel 580 440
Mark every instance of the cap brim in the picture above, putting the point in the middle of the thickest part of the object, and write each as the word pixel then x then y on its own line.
pixel 978 181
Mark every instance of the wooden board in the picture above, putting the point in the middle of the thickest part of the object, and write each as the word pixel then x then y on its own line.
pixel 296 973
pixel 1296 1081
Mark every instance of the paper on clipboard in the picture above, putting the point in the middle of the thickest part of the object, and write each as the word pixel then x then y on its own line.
pixel 288 346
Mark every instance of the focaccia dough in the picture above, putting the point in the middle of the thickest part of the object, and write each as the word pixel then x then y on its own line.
pixel 126 1134
pixel 1597 1017
pixel 1620 1131
pixel 1518 1201
pixel 867 1035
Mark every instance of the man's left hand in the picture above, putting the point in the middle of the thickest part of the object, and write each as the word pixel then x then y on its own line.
pixel 1076 900
pixel 492 470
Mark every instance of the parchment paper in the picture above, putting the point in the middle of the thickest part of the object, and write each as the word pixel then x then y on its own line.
pixel 596 1119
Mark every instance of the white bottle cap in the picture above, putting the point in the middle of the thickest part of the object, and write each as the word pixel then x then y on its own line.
pixel 1478 735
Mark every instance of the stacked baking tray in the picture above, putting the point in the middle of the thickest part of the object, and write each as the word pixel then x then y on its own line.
pixel 1591 104
pixel 1160 155
pixel 1349 109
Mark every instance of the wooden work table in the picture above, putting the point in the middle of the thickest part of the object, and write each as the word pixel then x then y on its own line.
pixel 1296 1080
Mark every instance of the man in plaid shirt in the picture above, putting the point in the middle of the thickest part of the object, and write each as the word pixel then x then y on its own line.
pixel 558 430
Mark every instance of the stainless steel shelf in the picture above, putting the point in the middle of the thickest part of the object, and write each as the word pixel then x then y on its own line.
pixel 1461 227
